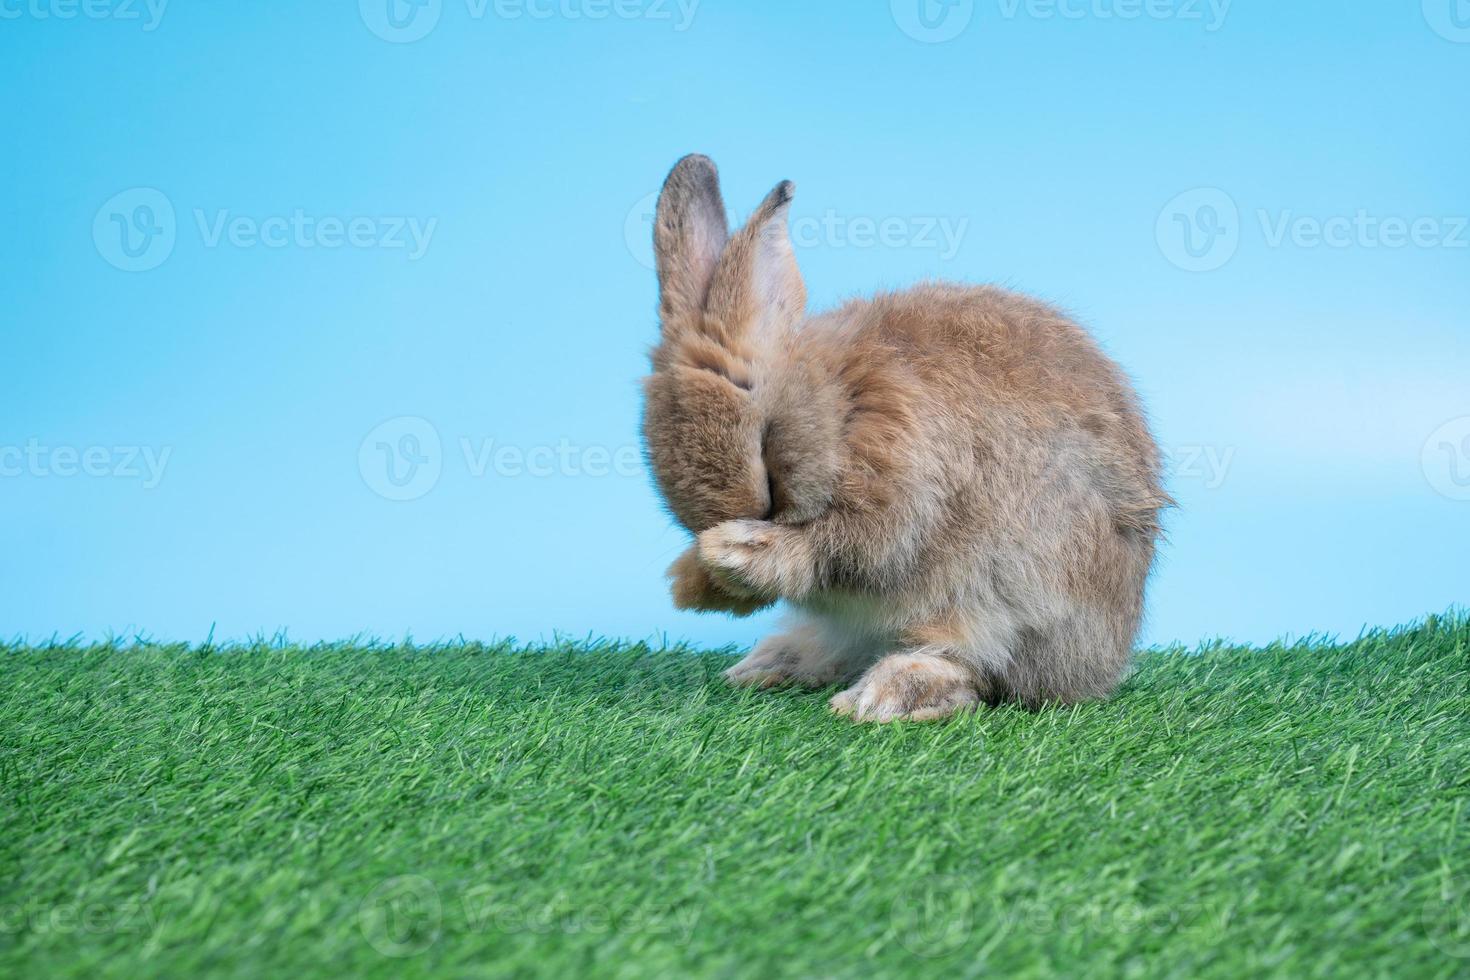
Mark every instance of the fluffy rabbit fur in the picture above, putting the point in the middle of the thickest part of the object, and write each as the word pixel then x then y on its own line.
pixel 952 487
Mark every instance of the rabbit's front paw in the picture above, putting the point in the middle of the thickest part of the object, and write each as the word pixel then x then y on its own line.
pixel 910 686
pixel 694 588
pixel 757 559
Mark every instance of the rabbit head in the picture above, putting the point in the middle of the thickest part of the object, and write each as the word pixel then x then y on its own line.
pixel 736 424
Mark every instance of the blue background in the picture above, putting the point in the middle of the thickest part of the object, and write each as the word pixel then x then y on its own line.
pixel 535 142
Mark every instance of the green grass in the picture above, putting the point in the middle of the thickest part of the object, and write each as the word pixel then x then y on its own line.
pixel 470 810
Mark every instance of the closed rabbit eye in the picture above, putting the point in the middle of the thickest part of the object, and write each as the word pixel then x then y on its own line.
pixel 773 489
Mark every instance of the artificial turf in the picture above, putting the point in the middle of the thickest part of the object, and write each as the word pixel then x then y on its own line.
pixel 615 810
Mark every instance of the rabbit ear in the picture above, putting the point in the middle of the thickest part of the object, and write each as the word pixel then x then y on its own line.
pixel 689 233
pixel 758 282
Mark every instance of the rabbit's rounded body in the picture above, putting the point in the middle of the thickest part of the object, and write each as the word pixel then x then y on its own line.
pixel 952 487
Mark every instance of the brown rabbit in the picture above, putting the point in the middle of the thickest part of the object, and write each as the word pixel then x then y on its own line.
pixel 952 487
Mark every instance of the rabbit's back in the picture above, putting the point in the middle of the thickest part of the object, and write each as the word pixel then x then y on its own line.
pixel 977 378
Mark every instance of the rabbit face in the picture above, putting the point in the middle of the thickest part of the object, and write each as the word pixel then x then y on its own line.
pixel 723 447
pixel 703 434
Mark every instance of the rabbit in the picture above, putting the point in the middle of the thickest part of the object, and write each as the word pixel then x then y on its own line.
pixel 952 488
